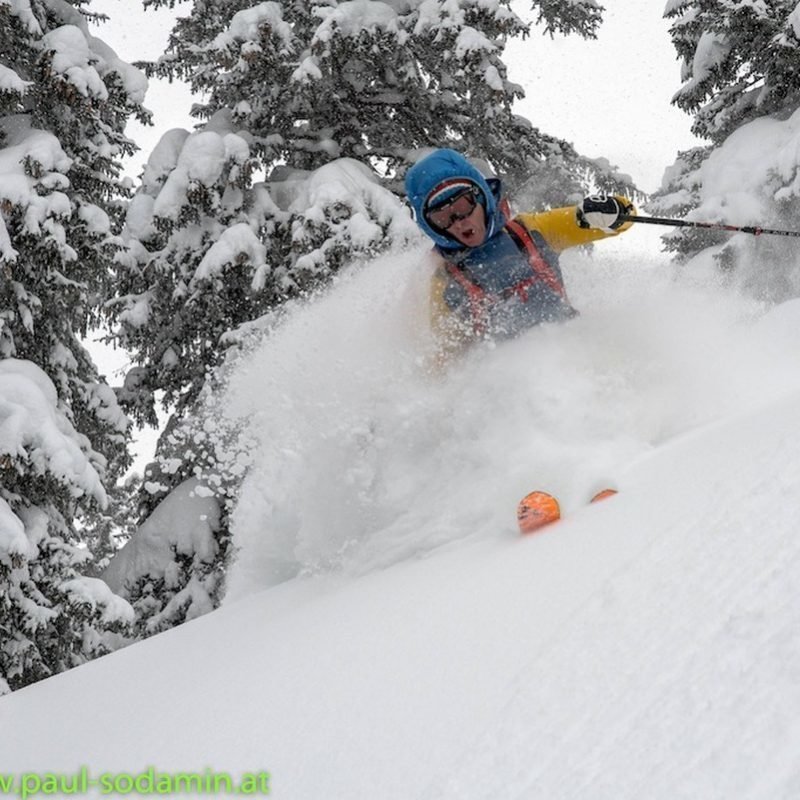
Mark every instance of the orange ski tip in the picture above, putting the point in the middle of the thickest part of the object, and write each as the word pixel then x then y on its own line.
pixel 602 495
pixel 535 510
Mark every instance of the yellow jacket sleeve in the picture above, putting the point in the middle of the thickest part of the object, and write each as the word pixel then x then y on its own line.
pixel 560 228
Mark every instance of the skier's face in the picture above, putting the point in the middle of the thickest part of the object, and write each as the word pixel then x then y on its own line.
pixel 470 230
pixel 463 218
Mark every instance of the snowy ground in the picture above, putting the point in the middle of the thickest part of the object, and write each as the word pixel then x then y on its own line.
pixel 389 635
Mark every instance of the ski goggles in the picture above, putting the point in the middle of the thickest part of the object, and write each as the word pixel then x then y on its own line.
pixel 457 208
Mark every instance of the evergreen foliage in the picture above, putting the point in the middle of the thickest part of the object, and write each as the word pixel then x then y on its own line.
pixel 176 298
pixel 373 81
pixel 740 63
pixel 64 100
pixel 570 16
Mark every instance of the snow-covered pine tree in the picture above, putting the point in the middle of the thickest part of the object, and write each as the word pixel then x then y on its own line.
pixel 373 81
pixel 197 235
pixel 739 61
pixel 52 616
pixel 209 251
pixel 64 100
pixel 330 101
pixel 740 64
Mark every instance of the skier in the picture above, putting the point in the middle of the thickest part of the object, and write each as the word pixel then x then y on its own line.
pixel 497 276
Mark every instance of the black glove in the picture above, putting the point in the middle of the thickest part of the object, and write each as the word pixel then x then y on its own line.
pixel 602 212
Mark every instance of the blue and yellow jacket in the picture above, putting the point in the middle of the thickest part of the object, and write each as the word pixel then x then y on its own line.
pixel 509 283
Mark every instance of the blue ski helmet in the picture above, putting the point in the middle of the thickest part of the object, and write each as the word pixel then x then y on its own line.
pixel 441 175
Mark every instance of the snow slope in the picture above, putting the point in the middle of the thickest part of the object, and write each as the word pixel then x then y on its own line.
pixel 648 646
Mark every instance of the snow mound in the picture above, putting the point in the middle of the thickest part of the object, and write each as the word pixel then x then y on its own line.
pixel 184 523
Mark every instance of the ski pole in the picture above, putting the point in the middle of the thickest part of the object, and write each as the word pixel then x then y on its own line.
pixel 719 226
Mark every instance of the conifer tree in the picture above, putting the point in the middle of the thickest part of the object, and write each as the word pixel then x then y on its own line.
pixel 740 62
pixel 208 251
pixel 64 100
pixel 373 81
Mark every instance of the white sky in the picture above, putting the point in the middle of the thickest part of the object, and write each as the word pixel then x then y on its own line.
pixel 609 97
pixel 136 34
